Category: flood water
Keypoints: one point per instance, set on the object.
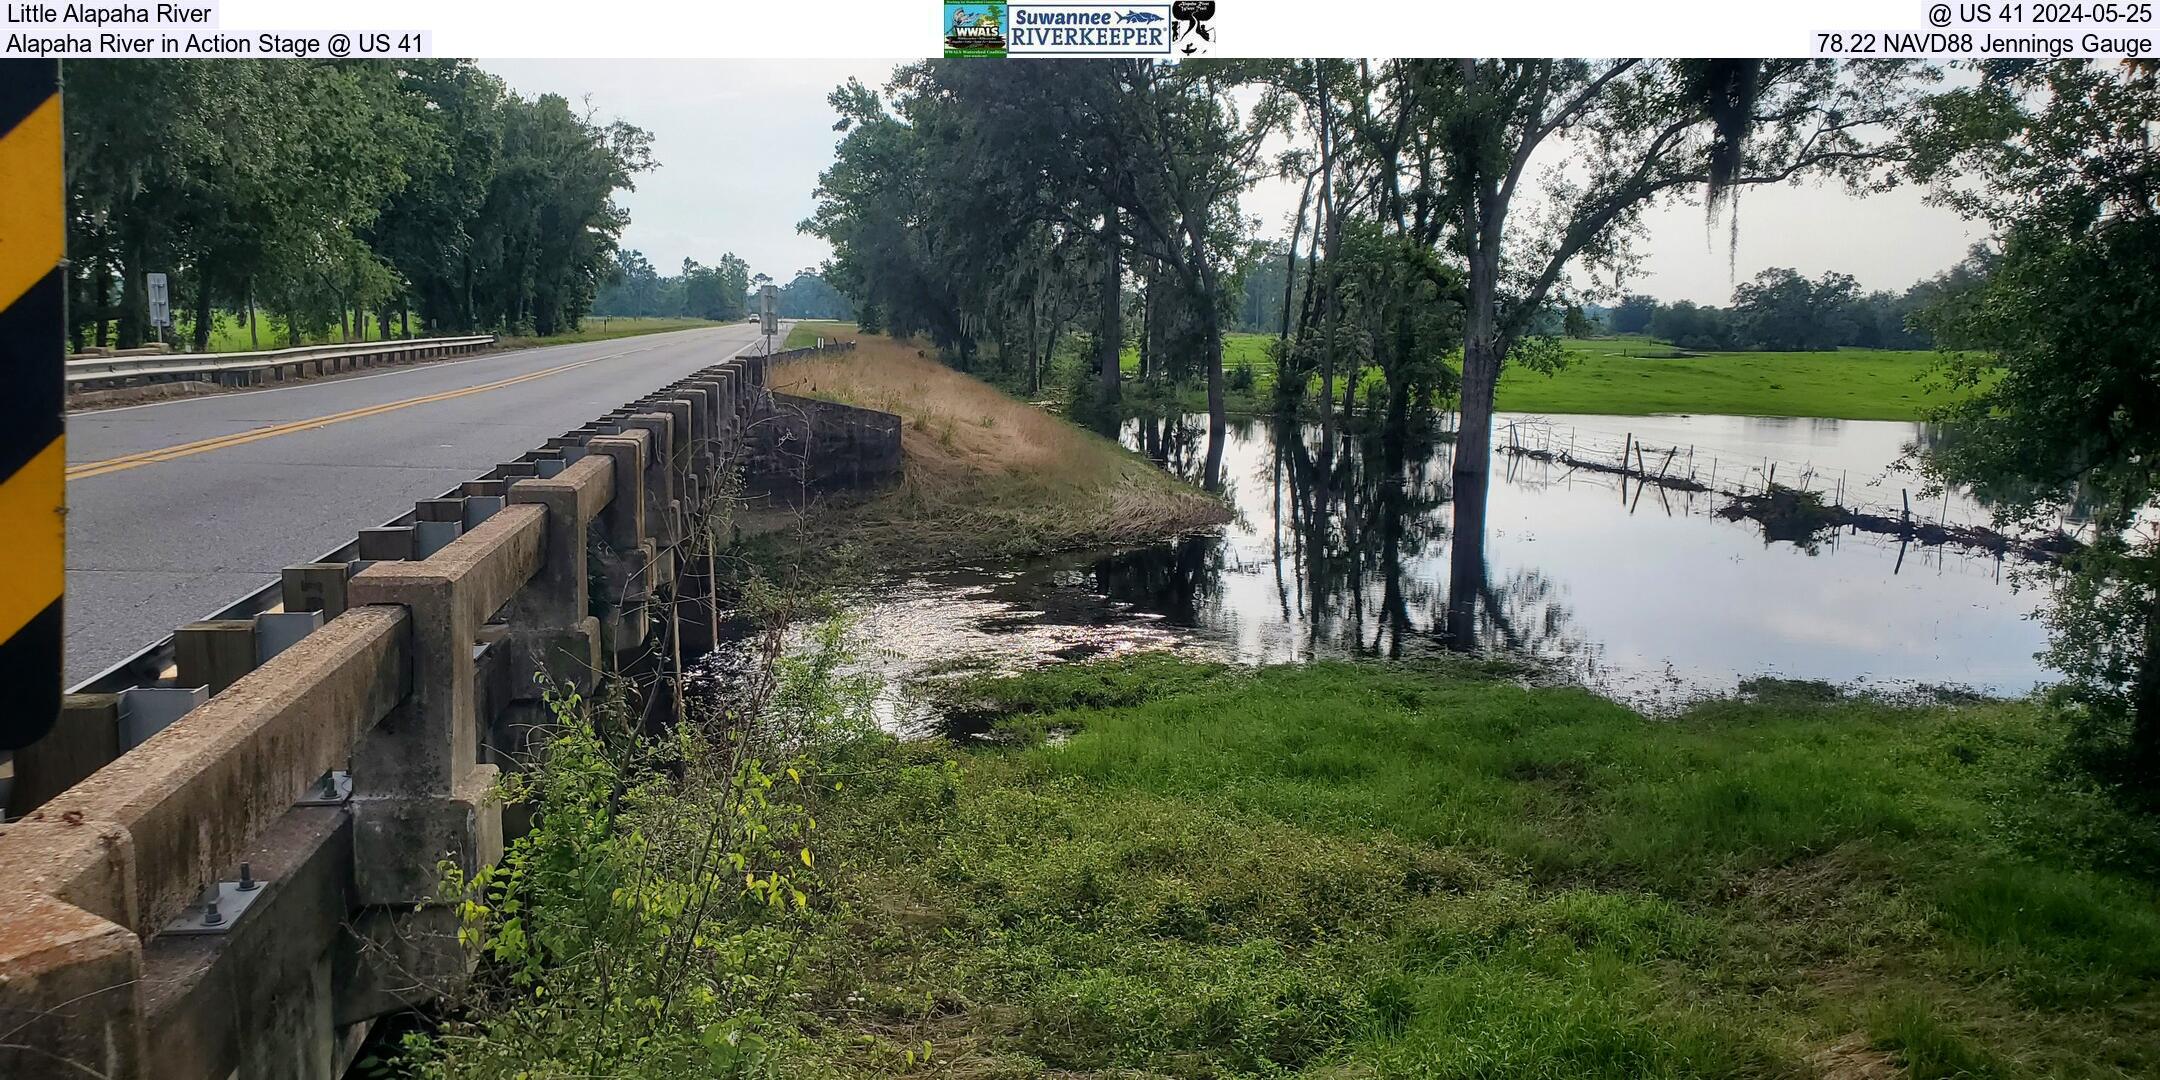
(1634, 590)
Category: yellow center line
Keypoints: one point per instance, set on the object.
(88, 469)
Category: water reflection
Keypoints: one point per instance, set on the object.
(1350, 531)
(1363, 548)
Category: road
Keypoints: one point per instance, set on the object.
(177, 508)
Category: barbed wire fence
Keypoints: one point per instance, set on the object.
(1710, 479)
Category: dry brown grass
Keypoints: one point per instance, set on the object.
(984, 473)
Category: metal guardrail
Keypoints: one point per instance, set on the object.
(249, 368)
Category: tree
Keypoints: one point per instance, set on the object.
(427, 229)
(876, 204)
(2057, 351)
(545, 235)
(330, 191)
(1691, 326)
(809, 296)
(634, 289)
(1632, 315)
(1640, 131)
(714, 292)
(1783, 312)
(985, 205)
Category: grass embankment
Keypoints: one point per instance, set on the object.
(1636, 376)
(983, 473)
(1351, 871)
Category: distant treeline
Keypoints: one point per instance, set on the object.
(329, 192)
(1781, 311)
(724, 291)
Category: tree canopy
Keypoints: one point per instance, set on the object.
(2058, 348)
(330, 191)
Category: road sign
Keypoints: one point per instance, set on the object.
(769, 307)
(160, 301)
(33, 459)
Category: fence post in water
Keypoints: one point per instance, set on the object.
(1624, 448)
(1770, 478)
(1905, 526)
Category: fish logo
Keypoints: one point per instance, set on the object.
(1139, 17)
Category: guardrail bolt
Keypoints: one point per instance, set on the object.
(211, 915)
(247, 879)
(329, 785)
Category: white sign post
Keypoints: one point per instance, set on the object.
(769, 309)
(160, 304)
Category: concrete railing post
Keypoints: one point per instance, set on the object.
(684, 451)
(420, 794)
(551, 621)
(660, 494)
(421, 797)
(70, 992)
(703, 432)
(627, 569)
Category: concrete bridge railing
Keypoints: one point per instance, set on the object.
(236, 876)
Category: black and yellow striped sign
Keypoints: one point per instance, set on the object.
(33, 459)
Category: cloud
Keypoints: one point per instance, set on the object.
(741, 142)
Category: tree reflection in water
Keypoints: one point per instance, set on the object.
(1358, 539)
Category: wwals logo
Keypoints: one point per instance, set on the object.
(976, 29)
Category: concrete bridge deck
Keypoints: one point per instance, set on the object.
(203, 499)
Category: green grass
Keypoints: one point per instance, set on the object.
(1611, 376)
(1359, 870)
(230, 334)
(805, 334)
(607, 329)
(1636, 376)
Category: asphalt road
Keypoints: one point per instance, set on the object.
(166, 538)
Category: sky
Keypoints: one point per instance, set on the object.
(740, 144)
